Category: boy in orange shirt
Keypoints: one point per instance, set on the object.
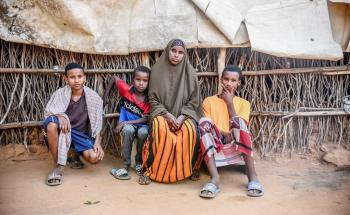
(224, 134)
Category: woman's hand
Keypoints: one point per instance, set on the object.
(172, 121)
(64, 124)
(180, 120)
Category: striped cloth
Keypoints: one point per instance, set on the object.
(57, 106)
(171, 156)
(212, 143)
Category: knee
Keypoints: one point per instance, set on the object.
(52, 127)
(91, 157)
(128, 130)
(142, 133)
(205, 124)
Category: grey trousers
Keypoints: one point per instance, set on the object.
(129, 132)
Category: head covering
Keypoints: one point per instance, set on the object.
(174, 88)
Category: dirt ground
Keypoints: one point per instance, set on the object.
(297, 185)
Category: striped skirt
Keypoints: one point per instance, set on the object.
(213, 144)
(171, 156)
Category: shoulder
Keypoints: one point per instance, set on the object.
(211, 98)
(243, 103)
(61, 90)
(92, 93)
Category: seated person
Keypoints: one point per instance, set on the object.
(133, 118)
(225, 135)
(73, 115)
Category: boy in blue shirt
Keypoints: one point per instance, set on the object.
(135, 109)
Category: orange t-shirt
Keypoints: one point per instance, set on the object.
(216, 109)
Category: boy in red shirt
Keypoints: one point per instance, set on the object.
(133, 117)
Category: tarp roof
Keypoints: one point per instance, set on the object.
(314, 29)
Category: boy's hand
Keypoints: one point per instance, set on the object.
(119, 127)
(227, 96)
(227, 136)
(172, 121)
(99, 151)
(64, 124)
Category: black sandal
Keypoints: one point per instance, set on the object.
(144, 180)
(75, 163)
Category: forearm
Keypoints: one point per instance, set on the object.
(231, 110)
(110, 85)
(98, 139)
(142, 120)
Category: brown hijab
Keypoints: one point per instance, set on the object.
(174, 88)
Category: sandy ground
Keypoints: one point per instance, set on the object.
(292, 186)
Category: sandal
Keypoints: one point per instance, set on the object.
(209, 191)
(144, 180)
(121, 174)
(55, 177)
(75, 163)
(195, 176)
(255, 189)
(138, 169)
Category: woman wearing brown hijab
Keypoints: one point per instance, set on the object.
(171, 152)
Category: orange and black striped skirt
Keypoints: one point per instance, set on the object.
(171, 156)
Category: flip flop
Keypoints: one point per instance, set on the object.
(75, 163)
(195, 176)
(54, 178)
(209, 191)
(121, 174)
(144, 180)
(138, 169)
(255, 189)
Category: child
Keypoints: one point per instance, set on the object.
(73, 115)
(225, 135)
(133, 118)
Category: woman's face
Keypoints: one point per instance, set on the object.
(176, 54)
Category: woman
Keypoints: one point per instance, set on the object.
(171, 152)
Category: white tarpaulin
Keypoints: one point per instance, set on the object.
(339, 12)
(299, 28)
(293, 29)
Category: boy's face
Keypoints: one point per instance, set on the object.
(176, 54)
(75, 78)
(230, 81)
(140, 81)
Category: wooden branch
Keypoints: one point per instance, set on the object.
(221, 65)
(57, 71)
(302, 114)
(337, 112)
(40, 123)
(335, 70)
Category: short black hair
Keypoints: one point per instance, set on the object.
(72, 66)
(233, 68)
(144, 69)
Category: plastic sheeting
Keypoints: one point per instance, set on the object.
(299, 28)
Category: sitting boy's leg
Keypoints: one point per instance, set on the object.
(142, 134)
(251, 173)
(52, 139)
(51, 126)
(209, 137)
(128, 136)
